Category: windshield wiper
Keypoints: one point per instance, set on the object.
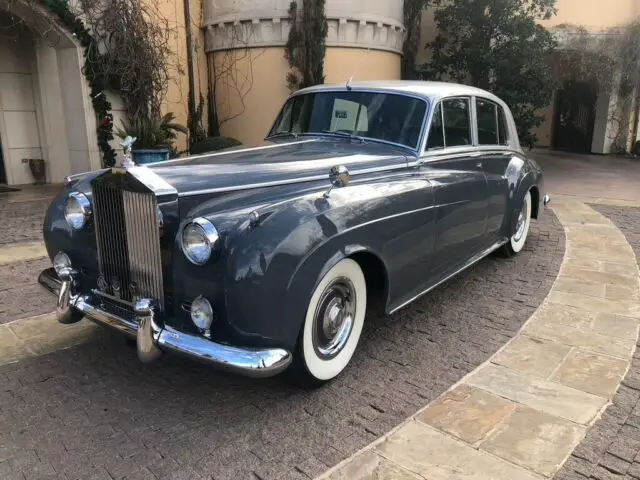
(352, 136)
(284, 134)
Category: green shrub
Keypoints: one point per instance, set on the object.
(211, 144)
(156, 132)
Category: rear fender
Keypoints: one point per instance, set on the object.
(520, 179)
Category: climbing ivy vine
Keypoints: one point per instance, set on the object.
(306, 45)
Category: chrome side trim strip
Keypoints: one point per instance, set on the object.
(311, 178)
(476, 258)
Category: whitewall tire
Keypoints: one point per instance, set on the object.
(519, 238)
(332, 325)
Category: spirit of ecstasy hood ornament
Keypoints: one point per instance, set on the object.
(127, 144)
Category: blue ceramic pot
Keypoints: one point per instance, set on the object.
(150, 155)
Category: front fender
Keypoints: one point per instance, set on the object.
(274, 267)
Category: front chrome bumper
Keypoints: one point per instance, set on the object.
(153, 337)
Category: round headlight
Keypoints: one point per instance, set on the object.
(201, 313)
(77, 210)
(61, 263)
(199, 237)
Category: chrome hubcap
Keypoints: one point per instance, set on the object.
(522, 223)
(333, 319)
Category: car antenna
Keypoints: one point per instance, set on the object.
(357, 68)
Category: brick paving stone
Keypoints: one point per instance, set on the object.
(634, 471)
(614, 441)
(20, 294)
(95, 408)
(22, 221)
(615, 464)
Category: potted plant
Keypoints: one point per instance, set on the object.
(154, 137)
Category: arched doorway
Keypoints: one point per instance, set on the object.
(45, 107)
(574, 116)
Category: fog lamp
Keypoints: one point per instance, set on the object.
(62, 264)
(202, 313)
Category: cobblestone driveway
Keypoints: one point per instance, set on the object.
(95, 412)
(21, 221)
(611, 449)
(20, 295)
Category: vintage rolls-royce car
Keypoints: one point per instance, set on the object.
(261, 260)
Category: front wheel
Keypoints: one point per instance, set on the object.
(519, 238)
(332, 325)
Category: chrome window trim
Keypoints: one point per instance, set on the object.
(453, 152)
(504, 115)
(332, 89)
(469, 98)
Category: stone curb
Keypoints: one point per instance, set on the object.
(34, 336)
(616, 202)
(19, 252)
(522, 413)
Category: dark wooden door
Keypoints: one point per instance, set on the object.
(575, 113)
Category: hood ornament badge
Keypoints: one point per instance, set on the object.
(127, 144)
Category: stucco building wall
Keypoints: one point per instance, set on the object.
(18, 119)
(364, 40)
(45, 108)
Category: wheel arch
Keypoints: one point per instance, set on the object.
(376, 276)
(535, 201)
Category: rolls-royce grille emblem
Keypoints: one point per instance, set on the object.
(115, 284)
(102, 284)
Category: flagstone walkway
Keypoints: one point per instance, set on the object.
(611, 449)
(521, 414)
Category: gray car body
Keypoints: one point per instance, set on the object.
(410, 217)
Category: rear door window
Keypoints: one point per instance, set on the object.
(487, 115)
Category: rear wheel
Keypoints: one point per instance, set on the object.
(519, 238)
(332, 326)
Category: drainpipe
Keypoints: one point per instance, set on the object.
(191, 96)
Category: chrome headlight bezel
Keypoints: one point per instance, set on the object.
(209, 240)
(82, 212)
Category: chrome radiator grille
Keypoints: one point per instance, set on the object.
(128, 238)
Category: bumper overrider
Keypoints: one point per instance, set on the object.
(153, 337)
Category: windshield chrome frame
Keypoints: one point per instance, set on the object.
(415, 150)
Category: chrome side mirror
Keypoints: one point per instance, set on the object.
(339, 176)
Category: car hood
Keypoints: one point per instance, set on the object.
(274, 164)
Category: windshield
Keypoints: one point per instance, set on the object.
(390, 117)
